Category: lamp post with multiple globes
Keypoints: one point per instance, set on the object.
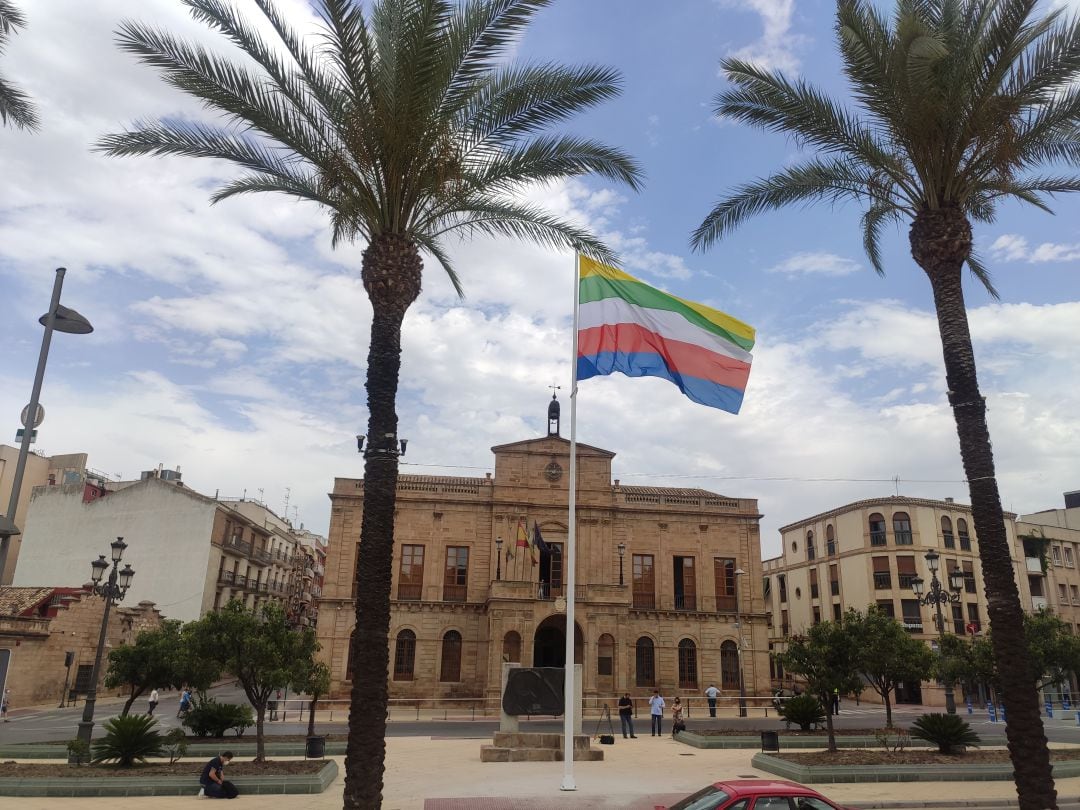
(938, 596)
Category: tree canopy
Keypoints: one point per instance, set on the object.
(888, 655)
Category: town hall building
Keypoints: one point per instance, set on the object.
(659, 570)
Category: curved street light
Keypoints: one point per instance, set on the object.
(938, 596)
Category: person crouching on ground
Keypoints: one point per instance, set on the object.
(214, 784)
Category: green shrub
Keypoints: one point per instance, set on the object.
(175, 744)
(949, 732)
(803, 710)
(212, 719)
(78, 752)
(128, 739)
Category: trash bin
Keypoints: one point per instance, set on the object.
(770, 741)
(315, 748)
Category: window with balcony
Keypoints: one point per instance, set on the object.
(1055, 553)
(886, 607)
(905, 571)
(687, 664)
(644, 581)
(411, 573)
(901, 526)
(958, 620)
(969, 576)
(962, 534)
(946, 533)
(450, 667)
(685, 584)
(877, 530)
(811, 551)
(813, 583)
(724, 579)
(1068, 557)
(830, 541)
(644, 662)
(456, 576)
(729, 665)
(834, 580)
(912, 613)
(882, 573)
(404, 655)
(973, 616)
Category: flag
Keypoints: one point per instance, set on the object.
(538, 541)
(509, 553)
(523, 540)
(627, 326)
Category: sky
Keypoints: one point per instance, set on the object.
(230, 340)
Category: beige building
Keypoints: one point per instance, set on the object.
(868, 553)
(1051, 540)
(40, 626)
(657, 571)
(40, 471)
(191, 553)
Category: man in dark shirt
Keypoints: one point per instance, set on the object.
(626, 715)
(212, 780)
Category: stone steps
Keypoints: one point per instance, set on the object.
(514, 746)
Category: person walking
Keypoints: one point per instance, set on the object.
(185, 703)
(656, 712)
(626, 716)
(153, 702)
(711, 694)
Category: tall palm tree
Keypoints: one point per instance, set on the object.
(957, 105)
(15, 105)
(407, 125)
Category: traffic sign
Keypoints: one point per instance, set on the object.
(19, 435)
(39, 416)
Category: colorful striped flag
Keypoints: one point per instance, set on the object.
(627, 326)
(523, 540)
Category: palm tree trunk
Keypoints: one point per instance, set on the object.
(940, 243)
(391, 274)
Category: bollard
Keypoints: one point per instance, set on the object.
(1003, 713)
(992, 711)
(1065, 701)
(1049, 710)
(1078, 717)
(970, 707)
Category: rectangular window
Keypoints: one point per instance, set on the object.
(958, 620)
(813, 584)
(837, 613)
(811, 552)
(1063, 594)
(817, 615)
(1035, 585)
(877, 530)
(969, 576)
(785, 628)
(1068, 557)
(411, 573)
(724, 577)
(882, 573)
(1055, 551)
(965, 538)
(782, 580)
(685, 584)
(834, 580)
(886, 607)
(973, 617)
(356, 568)
(1075, 594)
(912, 615)
(456, 576)
(947, 538)
(830, 548)
(905, 571)
(556, 569)
(644, 579)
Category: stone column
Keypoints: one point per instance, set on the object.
(507, 722)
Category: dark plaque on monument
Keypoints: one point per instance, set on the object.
(534, 690)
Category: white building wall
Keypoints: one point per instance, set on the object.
(167, 529)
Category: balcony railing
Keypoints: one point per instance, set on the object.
(226, 577)
(410, 592)
(882, 581)
(834, 587)
(905, 581)
(814, 591)
(238, 545)
(958, 627)
(948, 539)
(903, 537)
(455, 593)
(261, 555)
(644, 600)
(685, 601)
(830, 548)
(241, 581)
(877, 538)
(965, 542)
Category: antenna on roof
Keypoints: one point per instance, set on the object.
(288, 492)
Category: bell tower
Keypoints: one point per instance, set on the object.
(553, 413)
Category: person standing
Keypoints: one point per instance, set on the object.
(626, 716)
(711, 694)
(5, 704)
(213, 781)
(836, 701)
(656, 711)
(185, 703)
(153, 702)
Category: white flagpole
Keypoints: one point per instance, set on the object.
(569, 692)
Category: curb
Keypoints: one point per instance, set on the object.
(825, 774)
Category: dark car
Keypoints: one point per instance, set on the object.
(755, 794)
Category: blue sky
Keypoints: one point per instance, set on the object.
(231, 339)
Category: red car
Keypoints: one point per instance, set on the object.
(755, 794)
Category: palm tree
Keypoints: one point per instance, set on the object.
(958, 105)
(408, 125)
(15, 106)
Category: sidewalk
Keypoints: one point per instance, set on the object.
(426, 774)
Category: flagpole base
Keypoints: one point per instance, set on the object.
(568, 784)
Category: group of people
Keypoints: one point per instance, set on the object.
(657, 705)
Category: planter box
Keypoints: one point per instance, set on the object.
(823, 774)
(788, 742)
(242, 747)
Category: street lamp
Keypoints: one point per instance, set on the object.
(58, 319)
(938, 596)
(622, 553)
(113, 590)
(498, 558)
(738, 626)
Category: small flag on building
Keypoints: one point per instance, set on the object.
(523, 539)
(627, 326)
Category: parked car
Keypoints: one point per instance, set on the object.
(755, 794)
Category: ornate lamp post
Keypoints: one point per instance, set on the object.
(738, 626)
(114, 590)
(498, 558)
(622, 553)
(938, 596)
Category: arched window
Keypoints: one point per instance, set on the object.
(405, 655)
(811, 551)
(687, 664)
(729, 665)
(450, 671)
(512, 648)
(877, 529)
(901, 526)
(645, 662)
(348, 658)
(830, 540)
(946, 533)
(962, 534)
(605, 655)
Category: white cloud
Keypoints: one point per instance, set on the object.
(1009, 247)
(778, 45)
(823, 264)
(1052, 252)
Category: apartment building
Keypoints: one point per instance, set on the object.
(1051, 542)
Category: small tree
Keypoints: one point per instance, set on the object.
(888, 655)
(261, 651)
(827, 658)
(314, 682)
(149, 663)
(956, 662)
(1053, 650)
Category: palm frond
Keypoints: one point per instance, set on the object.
(979, 270)
(874, 220)
(434, 246)
(16, 108)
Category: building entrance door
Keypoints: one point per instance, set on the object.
(549, 644)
